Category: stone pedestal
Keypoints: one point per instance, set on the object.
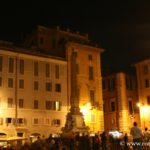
(75, 123)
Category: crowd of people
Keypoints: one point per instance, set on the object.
(103, 141)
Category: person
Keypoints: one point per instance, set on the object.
(136, 135)
(146, 135)
(104, 140)
(126, 141)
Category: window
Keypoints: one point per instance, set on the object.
(58, 87)
(129, 84)
(48, 86)
(57, 71)
(36, 104)
(147, 84)
(113, 106)
(11, 65)
(1, 121)
(8, 120)
(130, 107)
(47, 70)
(35, 68)
(148, 100)
(47, 121)
(20, 121)
(47, 105)
(35, 121)
(53, 105)
(91, 74)
(21, 84)
(145, 69)
(21, 66)
(1, 63)
(90, 57)
(0, 81)
(130, 81)
(56, 122)
(104, 84)
(36, 85)
(111, 84)
(21, 103)
(92, 97)
(10, 82)
(54, 43)
(93, 118)
(41, 40)
(57, 105)
(10, 103)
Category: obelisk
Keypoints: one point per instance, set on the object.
(74, 120)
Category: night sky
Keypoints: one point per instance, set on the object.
(122, 28)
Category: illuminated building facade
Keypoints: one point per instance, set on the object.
(33, 92)
(143, 78)
(120, 99)
(61, 43)
(35, 82)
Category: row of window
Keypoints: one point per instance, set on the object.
(35, 121)
(130, 105)
(48, 85)
(147, 83)
(49, 105)
(111, 84)
(21, 67)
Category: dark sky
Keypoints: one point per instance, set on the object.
(121, 27)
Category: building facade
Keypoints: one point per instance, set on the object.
(35, 82)
(61, 43)
(143, 78)
(33, 92)
(120, 101)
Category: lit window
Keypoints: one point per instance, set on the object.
(56, 122)
(53, 105)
